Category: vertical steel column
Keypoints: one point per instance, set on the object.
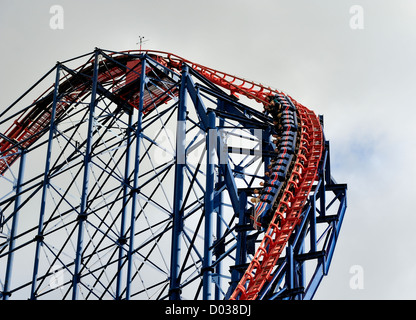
(266, 146)
(312, 221)
(220, 231)
(135, 190)
(211, 141)
(174, 290)
(18, 187)
(122, 240)
(220, 225)
(290, 272)
(82, 215)
(326, 180)
(241, 250)
(301, 272)
(39, 236)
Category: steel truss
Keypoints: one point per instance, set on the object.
(129, 178)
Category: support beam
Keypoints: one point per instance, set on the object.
(241, 245)
(39, 236)
(211, 141)
(82, 215)
(122, 239)
(290, 272)
(135, 190)
(9, 268)
(174, 289)
(219, 224)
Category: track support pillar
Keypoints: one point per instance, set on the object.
(45, 185)
(135, 180)
(122, 240)
(82, 215)
(6, 291)
(209, 206)
(174, 290)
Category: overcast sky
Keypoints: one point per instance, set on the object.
(361, 79)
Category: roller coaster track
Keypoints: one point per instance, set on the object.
(287, 212)
(289, 209)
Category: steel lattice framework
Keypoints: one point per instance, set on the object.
(131, 178)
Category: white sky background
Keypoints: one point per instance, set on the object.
(361, 80)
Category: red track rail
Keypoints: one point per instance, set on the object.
(25, 131)
(28, 128)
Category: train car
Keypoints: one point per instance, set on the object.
(285, 128)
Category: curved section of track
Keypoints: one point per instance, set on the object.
(297, 129)
(289, 207)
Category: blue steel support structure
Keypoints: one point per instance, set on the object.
(185, 225)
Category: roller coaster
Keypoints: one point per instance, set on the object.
(143, 175)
